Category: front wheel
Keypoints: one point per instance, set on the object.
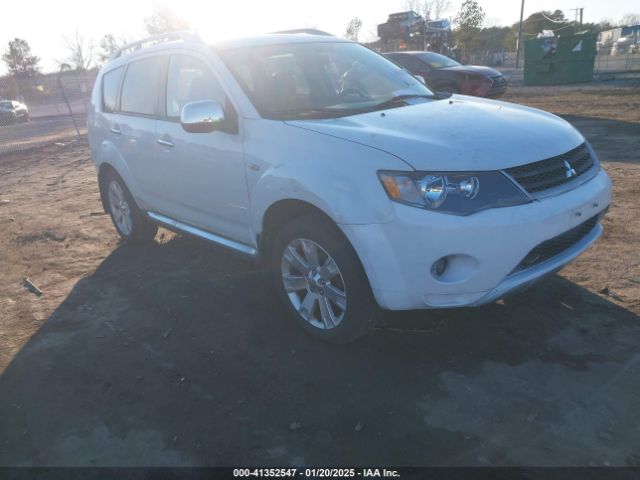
(321, 282)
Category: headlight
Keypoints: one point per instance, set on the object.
(594, 155)
(456, 193)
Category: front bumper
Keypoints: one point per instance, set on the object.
(522, 280)
(484, 248)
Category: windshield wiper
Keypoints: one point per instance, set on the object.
(329, 112)
(320, 112)
(401, 99)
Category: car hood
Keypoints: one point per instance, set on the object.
(460, 133)
(473, 69)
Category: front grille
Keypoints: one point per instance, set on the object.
(555, 246)
(499, 84)
(552, 172)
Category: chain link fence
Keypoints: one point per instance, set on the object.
(625, 62)
(604, 62)
(57, 106)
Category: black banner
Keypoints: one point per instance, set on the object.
(404, 473)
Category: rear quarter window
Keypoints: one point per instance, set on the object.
(110, 84)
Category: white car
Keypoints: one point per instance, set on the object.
(357, 187)
(12, 111)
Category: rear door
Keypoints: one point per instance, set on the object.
(103, 116)
(136, 124)
(208, 187)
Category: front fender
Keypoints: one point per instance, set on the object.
(335, 175)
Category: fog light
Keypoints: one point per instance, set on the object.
(439, 266)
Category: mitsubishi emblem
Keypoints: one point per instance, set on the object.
(570, 171)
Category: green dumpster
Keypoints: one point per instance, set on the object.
(559, 60)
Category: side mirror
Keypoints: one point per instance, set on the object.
(202, 116)
(420, 78)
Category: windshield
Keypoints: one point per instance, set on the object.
(319, 80)
(436, 61)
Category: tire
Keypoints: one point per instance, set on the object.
(130, 222)
(332, 302)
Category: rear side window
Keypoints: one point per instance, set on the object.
(110, 84)
(141, 86)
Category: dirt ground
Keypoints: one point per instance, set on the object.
(38, 132)
(176, 354)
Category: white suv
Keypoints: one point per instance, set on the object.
(355, 185)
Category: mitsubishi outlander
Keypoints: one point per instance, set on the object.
(357, 187)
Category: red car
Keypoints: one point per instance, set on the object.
(444, 74)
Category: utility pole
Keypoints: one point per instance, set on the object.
(578, 15)
(519, 36)
(581, 11)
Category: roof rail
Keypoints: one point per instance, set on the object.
(185, 36)
(308, 31)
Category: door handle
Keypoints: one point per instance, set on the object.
(165, 143)
(116, 129)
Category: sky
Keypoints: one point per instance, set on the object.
(44, 24)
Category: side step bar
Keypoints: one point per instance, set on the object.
(203, 234)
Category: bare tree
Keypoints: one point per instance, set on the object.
(353, 29)
(163, 20)
(630, 19)
(81, 52)
(429, 9)
(438, 8)
(415, 5)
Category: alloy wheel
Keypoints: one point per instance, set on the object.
(120, 209)
(313, 283)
